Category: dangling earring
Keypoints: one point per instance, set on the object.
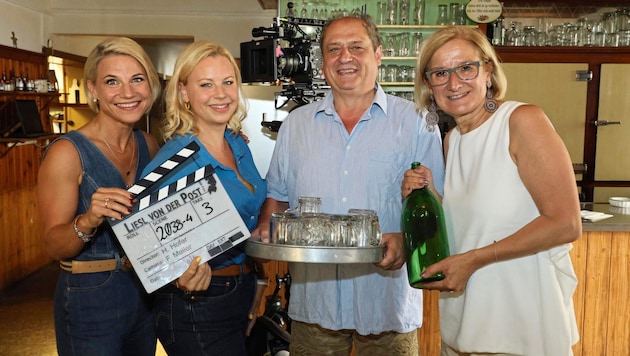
(490, 105)
(187, 105)
(432, 117)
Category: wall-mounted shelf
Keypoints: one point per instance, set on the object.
(9, 143)
(417, 27)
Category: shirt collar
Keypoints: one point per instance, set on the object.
(232, 141)
(380, 100)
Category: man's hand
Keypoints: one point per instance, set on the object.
(393, 251)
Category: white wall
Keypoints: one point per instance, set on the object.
(28, 22)
(76, 26)
(69, 30)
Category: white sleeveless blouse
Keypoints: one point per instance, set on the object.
(522, 306)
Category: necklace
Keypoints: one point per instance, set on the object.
(133, 152)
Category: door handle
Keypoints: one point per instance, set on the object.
(605, 122)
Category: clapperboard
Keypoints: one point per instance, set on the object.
(166, 229)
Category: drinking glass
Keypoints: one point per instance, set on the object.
(417, 42)
(391, 73)
(367, 229)
(403, 44)
(315, 230)
(342, 230)
(453, 17)
(381, 13)
(403, 12)
(442, 18)
(390, 47)
(284, 227)
(392, 12)
(309, 205)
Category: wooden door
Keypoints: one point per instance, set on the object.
(613, 141)
(553, 87)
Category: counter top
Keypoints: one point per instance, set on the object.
(620, 220)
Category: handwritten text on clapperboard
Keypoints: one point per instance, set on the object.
(194, 219)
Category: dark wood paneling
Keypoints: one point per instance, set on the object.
(21, 249)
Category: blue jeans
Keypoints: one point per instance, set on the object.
(104, 313)
(212, 322)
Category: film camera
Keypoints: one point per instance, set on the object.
(289, 55)
(289, 52)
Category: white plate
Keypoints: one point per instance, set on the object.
(620, 202)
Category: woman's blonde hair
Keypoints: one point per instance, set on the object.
(422, 92)
(179, 120)
(120, 46)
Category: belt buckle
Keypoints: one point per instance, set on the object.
(125, 264)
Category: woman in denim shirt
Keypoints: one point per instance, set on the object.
(100, 307)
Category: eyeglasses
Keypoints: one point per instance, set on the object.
(466, 71)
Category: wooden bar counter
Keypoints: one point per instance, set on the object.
(601, 258)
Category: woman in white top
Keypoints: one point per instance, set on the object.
(511, 205)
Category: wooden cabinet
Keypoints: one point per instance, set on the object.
(602, 263)
(71, 111)
(21, 249)
(32, 65)
(548, 77)
(601, 260)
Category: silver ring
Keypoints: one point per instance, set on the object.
(106, 201)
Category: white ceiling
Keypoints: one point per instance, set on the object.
(179, 7)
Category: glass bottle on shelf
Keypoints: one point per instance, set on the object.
(403, 12)
(417, 43)
(381, 13)
(498, 30)
(453, 14)
(392, 11)
(442, 18)
(424, 234)
(418, 13)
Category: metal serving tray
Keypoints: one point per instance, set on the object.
(312, 254)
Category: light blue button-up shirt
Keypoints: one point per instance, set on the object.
(316, 156)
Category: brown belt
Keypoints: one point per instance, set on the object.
(233, 270)
(76, 267)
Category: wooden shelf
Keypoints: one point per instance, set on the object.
(9, 143)
(15, 93)
(68, 105)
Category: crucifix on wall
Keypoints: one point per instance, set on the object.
(14, 39)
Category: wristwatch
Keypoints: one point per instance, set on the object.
(83, 236)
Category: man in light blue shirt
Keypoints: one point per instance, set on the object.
(352, 149)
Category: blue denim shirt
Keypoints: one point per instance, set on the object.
(247, 203)
(316, 156)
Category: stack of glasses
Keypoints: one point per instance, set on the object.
(308, 226)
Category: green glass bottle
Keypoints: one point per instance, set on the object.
(424, 232)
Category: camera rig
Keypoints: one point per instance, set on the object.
(288, 55)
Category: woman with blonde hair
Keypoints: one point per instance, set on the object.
(100, 307)
(208, 309)
(511, 205)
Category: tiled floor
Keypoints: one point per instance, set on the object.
(26, 316)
